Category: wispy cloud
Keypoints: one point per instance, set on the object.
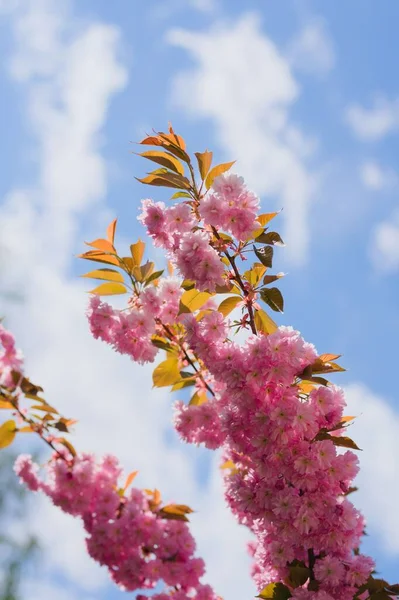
(244, 84)
(384, 248)
(375, 431)
(376, 177)
(312, 50)
(67, 100)
(377, 121)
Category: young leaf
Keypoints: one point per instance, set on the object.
(266, 218)
(172, 180)
(198, 398)
(103, 245)
(329, 357)
(106, 274)
(204, 160)
(137, 252)
(100, 257)
(192, 300)
(181, 195)
(109, 289)
(216, 171)
(111, 232)
(229, 304)
(153, 277)
(163, 158)
(161, 343)
(67, 445)
(273, 297)
(7, 433)
(275, 591)
(166, 373)
(183, 383)
(129, 480)
(264, 323)
(5, 404)
(265, 255)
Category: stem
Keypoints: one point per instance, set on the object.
(312, 562)
(173, 338)
(34, 427)
(240, 283)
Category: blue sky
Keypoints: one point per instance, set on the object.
(305, 96)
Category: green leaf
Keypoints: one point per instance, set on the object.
(229, 304)
(338, 440)
(161, 343)
(8, 431)
(177, 512)
(216, 171)
(172, 180)
(270, 237)
(163, 158)
(298, 575)
(265, 255)
(181, 195)
(275, 591)
(272, 278)
(109, 289)
(166, 373)
(264, 323)
(192, 300)
(273, 297)
(204, 160)
(106, 274)
(198, 398)
(183, 383)
(153, 277)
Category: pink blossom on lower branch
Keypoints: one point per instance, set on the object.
(280, 480)
(125, 533)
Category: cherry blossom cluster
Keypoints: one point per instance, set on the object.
(125, 533)
(129, 331)
(10, 358)
(286, 485)
(229, 207)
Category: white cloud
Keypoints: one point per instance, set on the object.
(312, 50)
(375, 177)
(245, 86)
(205, 6)
(372, 124)
(375, 430)
(67, 99)
(384, 251)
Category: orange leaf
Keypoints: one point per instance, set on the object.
(347, 419)
(266, 217)
(107, 274)
(100, 257)
(165, 159)
(109, 289)
(329, 357)
(204, 162)
(103, 245)
(111, 231)
(129, 479)
(5, 404)
(216, 171)
(7, 433)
